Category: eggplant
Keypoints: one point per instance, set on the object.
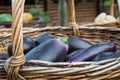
(52, 50)
(76, 43)
(9, 49)
(28, 44)
(3, 56)
(64, 39)
(42, 38)
(93, 51)
(73, 54)
(106, 55)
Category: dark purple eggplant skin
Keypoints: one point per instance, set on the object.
(52, 50)
(3, 56)
(28, 44)
(76, 43)
(9, 49)
(73, 54)
(42, 38)
(93, 51)
(106, 55)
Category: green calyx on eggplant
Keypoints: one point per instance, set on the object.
(28, 44)
(93, 51)
(42, 38)
(52, 50)
(76, 43)
(106, 55)
(64, 39)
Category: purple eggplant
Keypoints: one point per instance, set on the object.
(3, 56)
(76, 43)
(42, 38)
(93, 51)
(28, 44)
(9, 49)
(52, 50)
(106, 55)
(73, 54)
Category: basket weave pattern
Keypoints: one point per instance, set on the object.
(107, 69)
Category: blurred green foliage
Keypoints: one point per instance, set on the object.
(39, 13)
(106, 2)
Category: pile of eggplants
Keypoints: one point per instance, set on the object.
(47, 47)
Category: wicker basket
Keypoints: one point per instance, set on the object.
(5, 37)
(16, 69)
(67, 71)
(110, 24)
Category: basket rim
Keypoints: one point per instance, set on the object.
(49, 64)
(30, 30)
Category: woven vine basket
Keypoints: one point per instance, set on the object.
(15, 68)
(32, 70)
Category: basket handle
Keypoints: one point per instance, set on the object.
(13, 64)
(72, 21)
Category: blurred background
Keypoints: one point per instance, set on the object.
(41, 13)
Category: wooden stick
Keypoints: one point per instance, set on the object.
(71, 12)
(72, 20)
(112, 7)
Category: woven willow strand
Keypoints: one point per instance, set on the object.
(13, 64)
(72, 17)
